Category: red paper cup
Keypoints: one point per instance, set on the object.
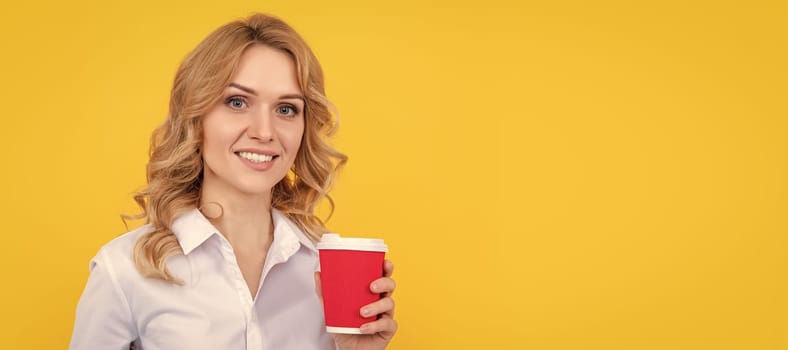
(347, 268)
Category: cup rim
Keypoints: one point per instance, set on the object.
(333, 241)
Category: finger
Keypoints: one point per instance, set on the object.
(388, 268)
(382, 306)
(318, 286)
(383, 285)
(385, 326)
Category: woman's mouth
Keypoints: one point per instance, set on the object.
(256, 157)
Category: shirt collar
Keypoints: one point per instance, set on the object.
(192, 229)
(283, 226)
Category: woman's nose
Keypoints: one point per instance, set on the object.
(261, 127)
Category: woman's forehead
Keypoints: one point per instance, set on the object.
(265, 71)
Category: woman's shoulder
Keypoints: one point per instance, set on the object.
(117, 253)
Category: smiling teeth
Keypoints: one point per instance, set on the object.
(255, 158)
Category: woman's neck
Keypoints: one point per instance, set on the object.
(245, 220)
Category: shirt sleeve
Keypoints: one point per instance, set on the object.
(103, 319)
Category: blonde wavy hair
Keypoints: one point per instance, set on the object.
(175, 169)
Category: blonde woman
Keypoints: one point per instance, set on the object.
(227, 259)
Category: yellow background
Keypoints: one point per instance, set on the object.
(548, 175)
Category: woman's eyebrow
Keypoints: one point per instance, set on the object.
(293, 96)
(243, 88)
(252, 92)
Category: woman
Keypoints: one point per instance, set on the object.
(226, 259)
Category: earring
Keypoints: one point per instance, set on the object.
(212, 210)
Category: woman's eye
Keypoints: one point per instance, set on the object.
(286, 110)
(236, 102)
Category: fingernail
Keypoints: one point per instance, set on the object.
(365, 312)
(374, 287)
(365, 328)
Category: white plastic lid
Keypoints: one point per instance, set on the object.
(334, 241)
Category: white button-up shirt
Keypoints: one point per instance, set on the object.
(213, 310)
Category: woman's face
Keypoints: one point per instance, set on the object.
(250, 139)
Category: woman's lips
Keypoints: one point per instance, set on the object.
(257, 161)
